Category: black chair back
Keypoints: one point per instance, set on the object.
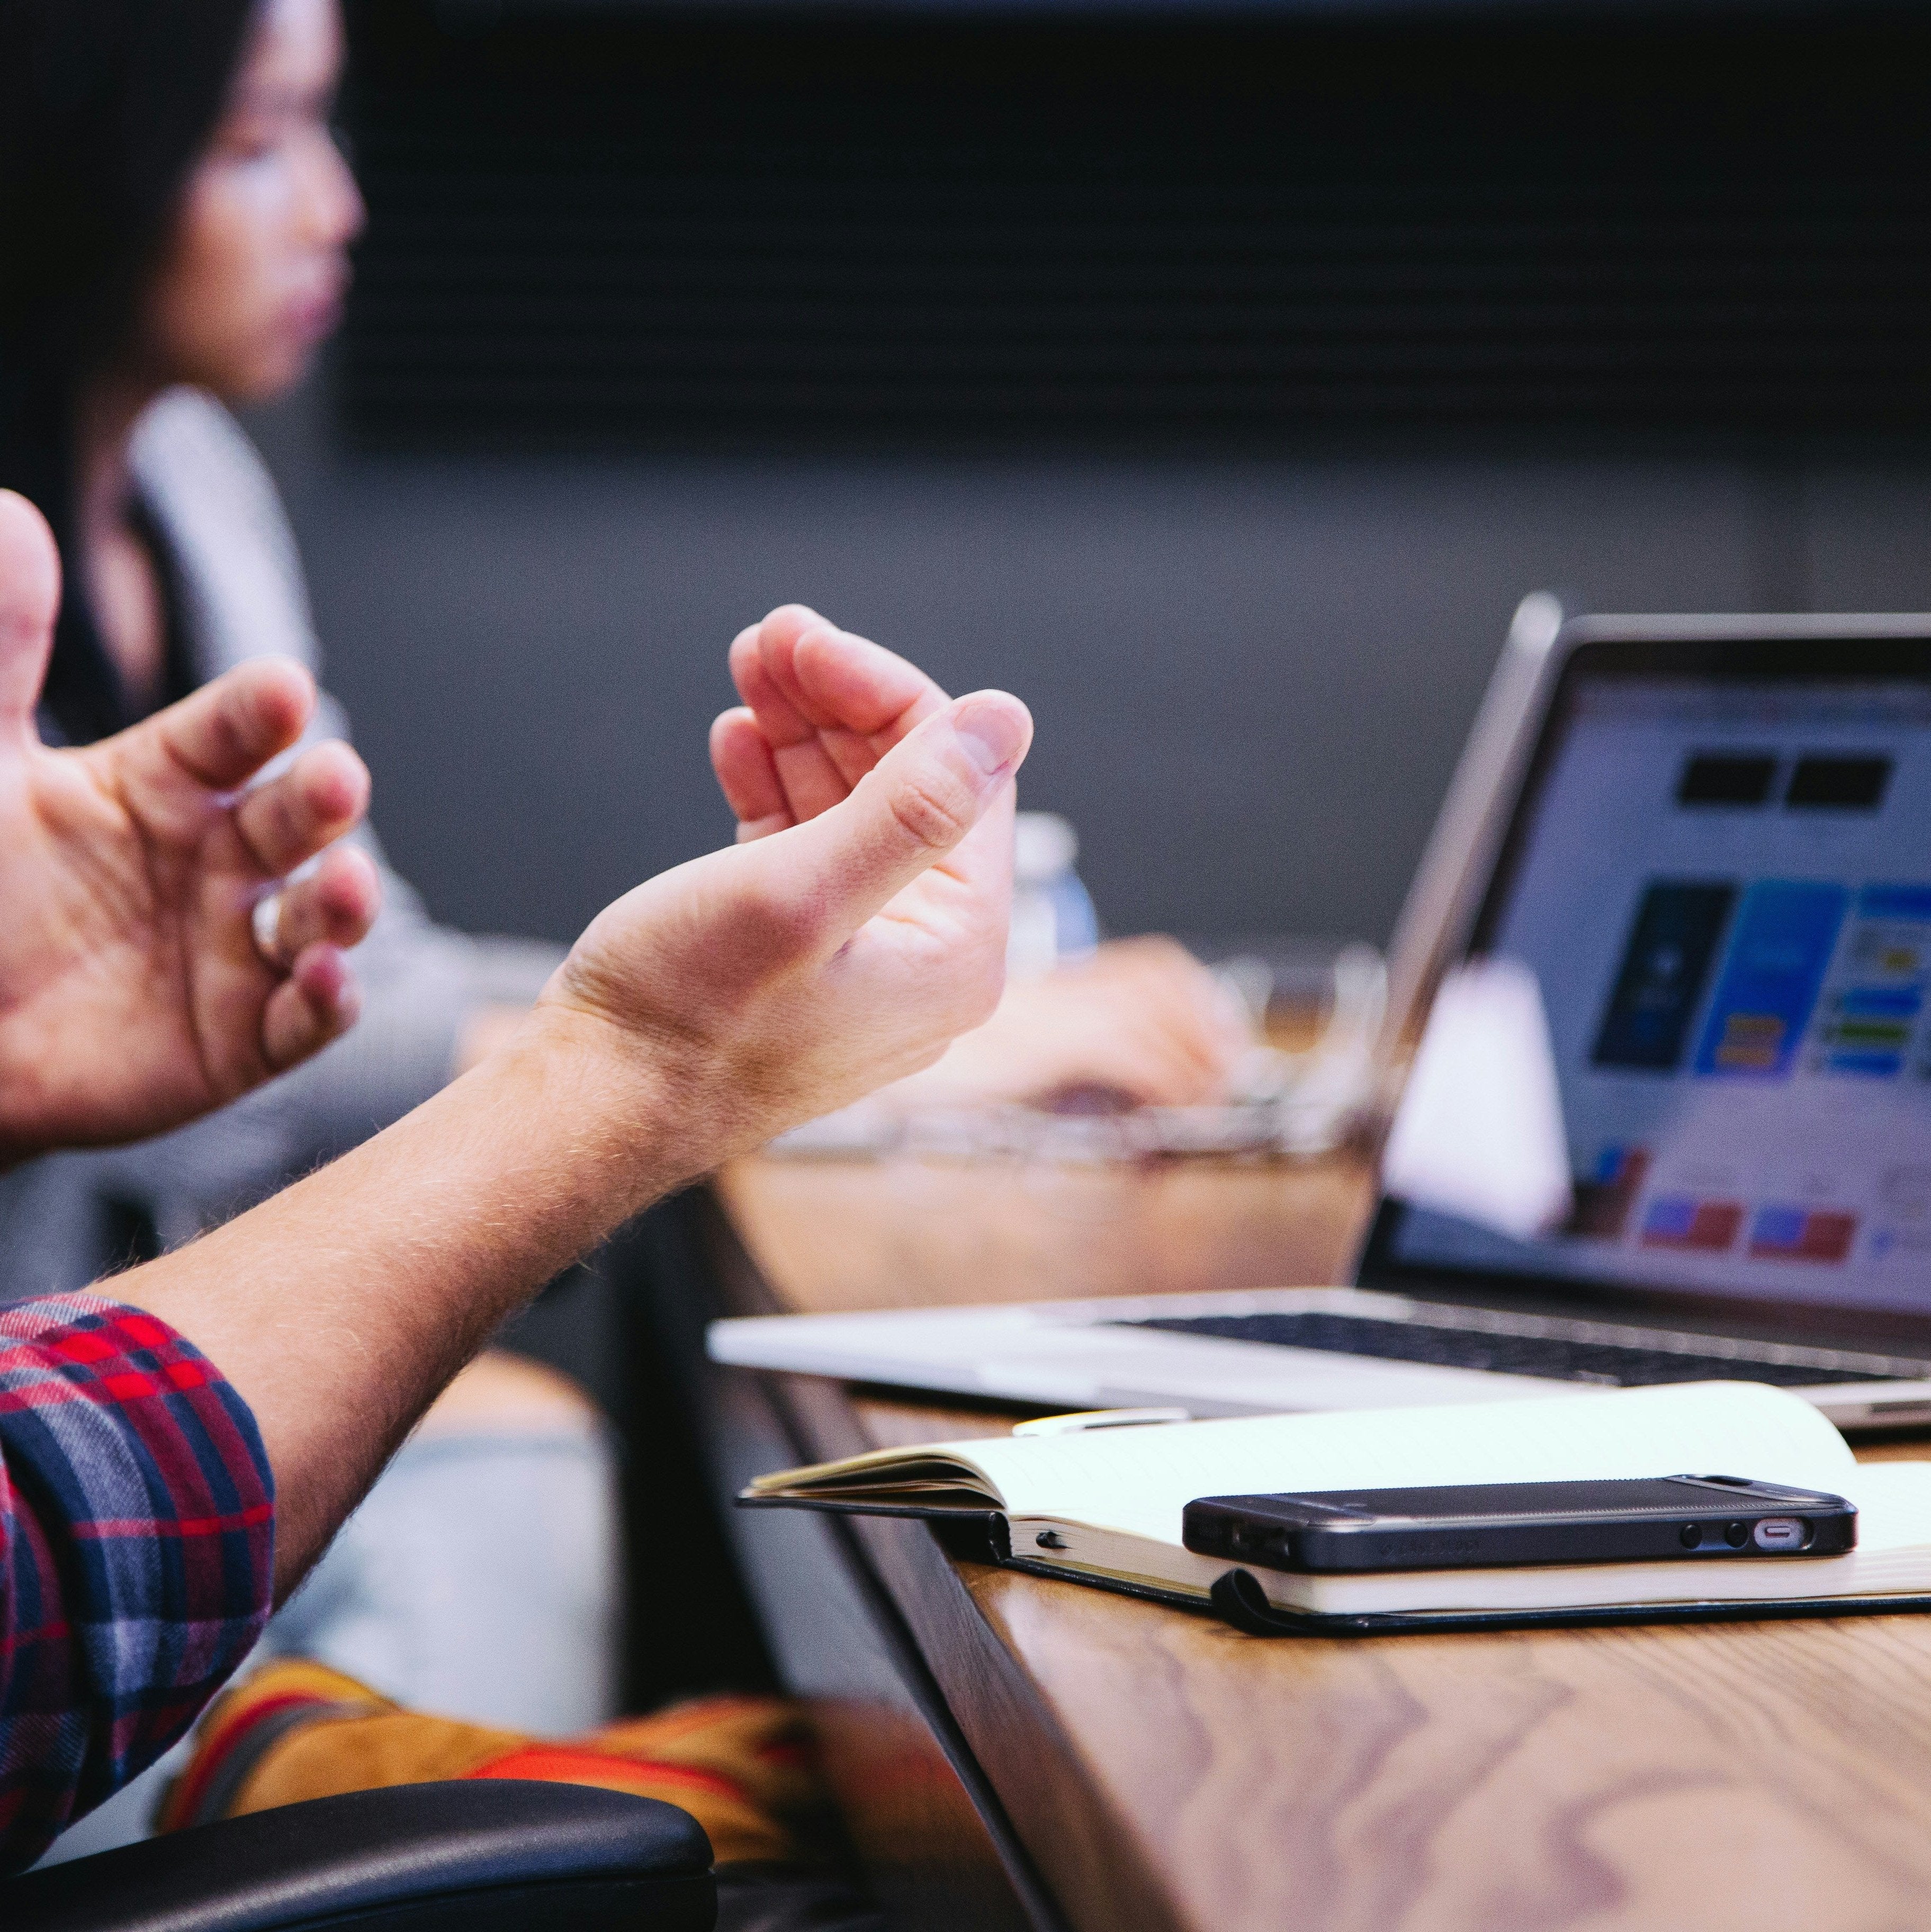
(477, 1855)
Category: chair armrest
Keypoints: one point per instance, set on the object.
(477, 1855)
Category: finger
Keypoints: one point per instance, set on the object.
(286, 822)
(777, 640)
(1172, 1023)
(29, 600)
(1155, 978)
(920, 804)
(811, 778)
(861, 688)
(860, 698)
(335, 905)
(780, 720)
(741, 756)
(1146, 1074)
(830, 704)
(228, 729)
(808, 778)
(317, 1003)
(1215, 1017)
(866, 698)
(1190, 1067)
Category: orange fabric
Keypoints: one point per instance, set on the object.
(285, 1687)
(743, 1767)
(560, 1762)
(766, 1743)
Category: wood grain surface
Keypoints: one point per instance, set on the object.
(1756, 1776)
(1164, 1771)
(830, 1234)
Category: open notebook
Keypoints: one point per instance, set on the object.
(1104, 1505)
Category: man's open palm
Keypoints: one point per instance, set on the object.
(133, 995)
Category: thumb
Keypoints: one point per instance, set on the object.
(29, 598)
(914, 806)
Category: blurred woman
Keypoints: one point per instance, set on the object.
(174, 223)
(176, 218)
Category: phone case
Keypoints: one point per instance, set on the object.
(1505, 1525)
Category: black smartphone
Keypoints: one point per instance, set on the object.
(1493, 1526)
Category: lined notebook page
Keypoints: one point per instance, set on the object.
(1139, 1480)
(1893, 1501)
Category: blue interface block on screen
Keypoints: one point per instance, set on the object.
(1911, 902)
(1778, 1227)
(1665, 964)
(1867, 1066)
(1671, 1216)
(1880, 1003)
(1784, 935)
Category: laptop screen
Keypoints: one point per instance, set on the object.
(1719, 876)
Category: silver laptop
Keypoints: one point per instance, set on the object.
(1705, 845)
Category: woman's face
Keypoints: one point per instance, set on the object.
(252, 277)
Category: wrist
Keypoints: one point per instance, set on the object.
(572, 1138)
(614, 1119)
(662, 1105)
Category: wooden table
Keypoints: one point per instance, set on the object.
(1016, 1752)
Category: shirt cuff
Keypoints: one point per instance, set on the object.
(148, 1482)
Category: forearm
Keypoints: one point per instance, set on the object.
(339, 1309)
(704, 1011)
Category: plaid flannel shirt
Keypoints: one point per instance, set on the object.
(136, 1548)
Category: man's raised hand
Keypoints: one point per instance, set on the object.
(856, 928)
(1141, 1020)
(133, 994)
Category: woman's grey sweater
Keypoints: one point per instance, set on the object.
(240, 582)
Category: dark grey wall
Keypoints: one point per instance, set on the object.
(1251, 679)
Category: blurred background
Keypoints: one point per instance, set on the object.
(1217, 380)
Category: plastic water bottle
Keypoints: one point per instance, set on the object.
(1053, 915)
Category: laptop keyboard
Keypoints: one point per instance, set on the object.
(1563, 1358)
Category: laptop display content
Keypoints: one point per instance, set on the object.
(1721, 883)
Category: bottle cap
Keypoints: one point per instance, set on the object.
(1044, 846)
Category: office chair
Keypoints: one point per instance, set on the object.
(476, 1856)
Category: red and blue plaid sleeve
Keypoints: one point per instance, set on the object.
(137, 1552)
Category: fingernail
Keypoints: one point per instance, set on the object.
(993, 734)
